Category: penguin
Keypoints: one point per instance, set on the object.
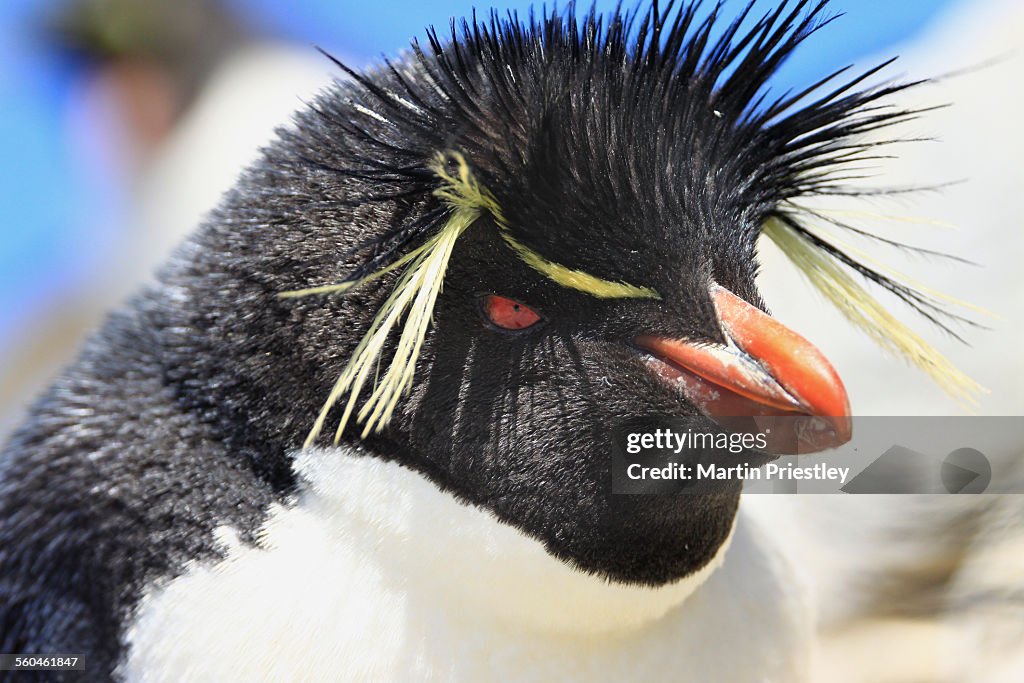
(358, 427)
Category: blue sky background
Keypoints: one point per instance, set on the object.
(60, 220)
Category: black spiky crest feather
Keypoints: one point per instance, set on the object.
(713, 103)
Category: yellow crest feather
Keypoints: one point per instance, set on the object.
(859, 307)
(463, 190)
(413, 298)
(415, 295)
(419, 284)
(577, 279)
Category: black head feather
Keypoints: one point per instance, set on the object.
(569, 120)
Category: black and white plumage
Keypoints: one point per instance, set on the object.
(635, 149)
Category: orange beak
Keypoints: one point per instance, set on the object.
(765, 369)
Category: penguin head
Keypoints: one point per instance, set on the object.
(482, 258)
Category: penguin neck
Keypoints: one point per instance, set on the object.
(405, 525)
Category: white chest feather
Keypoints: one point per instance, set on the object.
(374, 574)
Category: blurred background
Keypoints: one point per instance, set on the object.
(123, 121)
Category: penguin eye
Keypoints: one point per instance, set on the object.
(508, 314)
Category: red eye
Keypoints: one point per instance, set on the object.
(508, 314)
